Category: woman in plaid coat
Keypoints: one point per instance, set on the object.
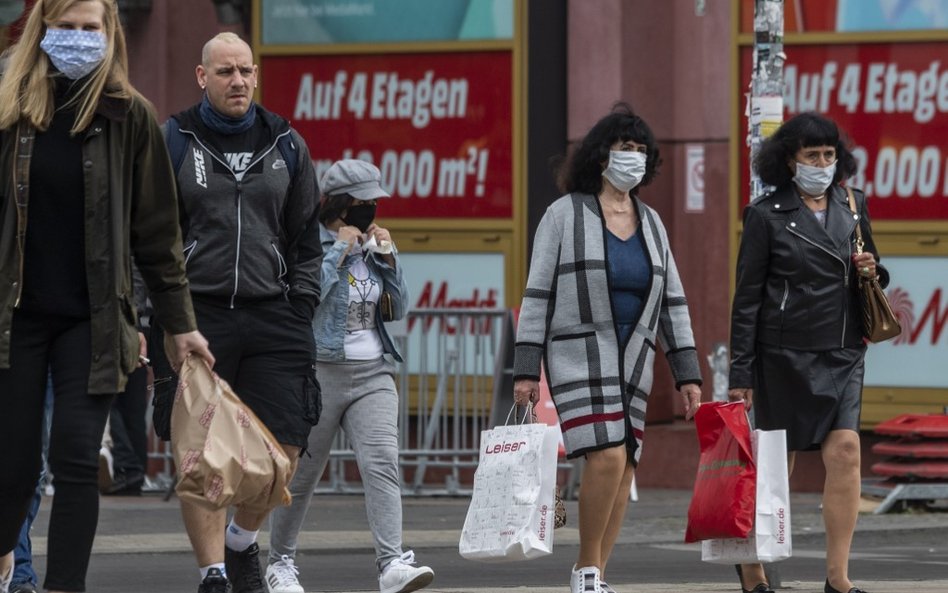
(603, 286)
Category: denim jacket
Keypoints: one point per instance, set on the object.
(329, 324)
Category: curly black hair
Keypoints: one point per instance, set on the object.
(804, 130)
(582, 171)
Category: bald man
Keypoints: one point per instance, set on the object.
(249, 205)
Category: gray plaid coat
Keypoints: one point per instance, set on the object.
(566, 322)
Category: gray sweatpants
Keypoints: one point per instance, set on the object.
(360, 397)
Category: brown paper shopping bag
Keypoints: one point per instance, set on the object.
(223, 453)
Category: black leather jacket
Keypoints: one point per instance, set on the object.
(796, 285)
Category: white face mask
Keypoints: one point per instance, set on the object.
(625, 170)
(813, 181)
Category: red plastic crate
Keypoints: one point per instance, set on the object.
(916, 425)
(913, 448)
(912, 469)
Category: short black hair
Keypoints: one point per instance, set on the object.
(583, 170)
(332, 207)
(802, 131)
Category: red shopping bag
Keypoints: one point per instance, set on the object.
(724, 499)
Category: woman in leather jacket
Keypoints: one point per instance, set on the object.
(797, 345)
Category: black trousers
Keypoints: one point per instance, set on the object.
(61, 345)
(128, 428)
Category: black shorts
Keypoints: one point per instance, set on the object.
(266, 352)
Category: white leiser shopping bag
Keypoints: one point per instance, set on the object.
(770, 540)
(511, 513)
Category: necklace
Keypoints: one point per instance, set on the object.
(363, 286)
(617, 210)
(814, 198)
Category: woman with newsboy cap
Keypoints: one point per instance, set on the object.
(362, 286)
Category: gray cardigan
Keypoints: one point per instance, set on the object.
(567, 322)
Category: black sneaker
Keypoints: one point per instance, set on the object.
(214, 582)
(23, 588)
(243, 569)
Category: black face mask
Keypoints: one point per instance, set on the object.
(360, 216)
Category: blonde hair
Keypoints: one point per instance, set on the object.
(26, 89)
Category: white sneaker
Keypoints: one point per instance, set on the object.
(400, 576)
(282, 576)
(106, 469)
(605, 588)
(6, 572)
(585, 580)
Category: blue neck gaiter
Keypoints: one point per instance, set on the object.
(226, 125)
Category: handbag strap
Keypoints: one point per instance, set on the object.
(852, 206)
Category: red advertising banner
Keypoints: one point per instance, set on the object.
(891, 99)
(438, 126)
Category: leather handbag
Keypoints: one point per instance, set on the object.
(559, 510)
(386, 307)
(878, 321)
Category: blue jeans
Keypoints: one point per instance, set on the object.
(23, 553)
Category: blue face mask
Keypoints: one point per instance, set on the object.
(74, 53)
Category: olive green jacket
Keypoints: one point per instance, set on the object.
(130, 210)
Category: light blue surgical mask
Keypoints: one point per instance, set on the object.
(74, 53)
(625, 169)
(814, 181)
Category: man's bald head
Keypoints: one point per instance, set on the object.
(227, 38)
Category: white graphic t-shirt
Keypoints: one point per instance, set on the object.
(362, 337)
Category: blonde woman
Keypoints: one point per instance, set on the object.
(86, 186)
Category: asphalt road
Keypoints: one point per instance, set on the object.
(141, 547)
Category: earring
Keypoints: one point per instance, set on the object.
(202, 87)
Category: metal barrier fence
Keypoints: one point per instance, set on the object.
(454, 361)
(454, 383)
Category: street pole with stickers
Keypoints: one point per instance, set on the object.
(765, 112)
(765, 100)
